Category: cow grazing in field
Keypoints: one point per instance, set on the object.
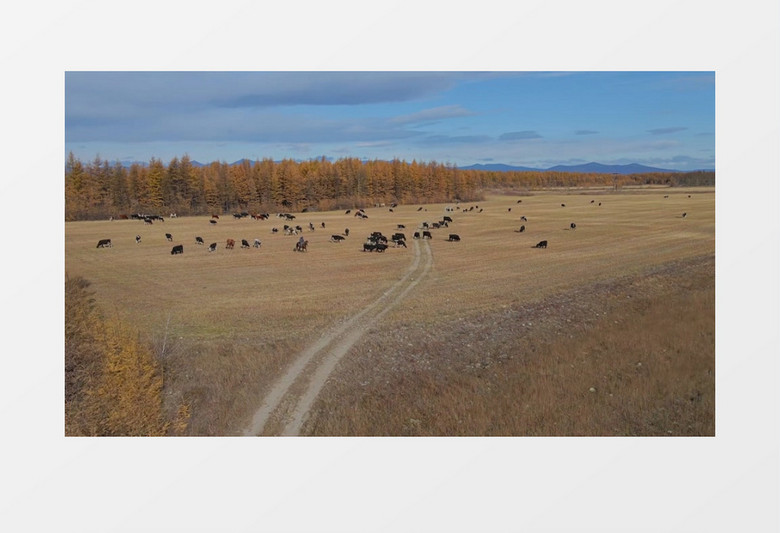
(541, 244)
(481, 210)
(427, 235)
(400, 226)
(213, 247)
(215, 216)
(336, 238)
(573, 225)
(521, 230)
(199, 240)
(523, 218)
(322, 225)
(104, 243)
(684, 215)
(563, 205)
(391, 210)
(419, 209)
(257, 243)
(346, 232)
(147, 221)
(213, 221)
(446, 218)
(416, 235)
(599, 204)
(138, 239)
(123, 217)
(519, 201)
(399, 242)
(454, 237)
(369, 246)
(348, 211)
(397, 236)
(274, 230)
(178, 249)
(244, 243)
(168, 236)
(689, 196)
(381, 247)
(230, 244)
(236, 215)
(509, 210)
(298, 229)
(666, 196)
(592, 201)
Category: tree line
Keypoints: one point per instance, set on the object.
(99, 189)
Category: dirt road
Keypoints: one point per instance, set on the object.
(286, 406)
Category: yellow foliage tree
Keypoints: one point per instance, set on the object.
(127, 397)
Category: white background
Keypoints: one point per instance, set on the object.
(725, 483)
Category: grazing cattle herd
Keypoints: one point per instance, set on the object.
(375, 242)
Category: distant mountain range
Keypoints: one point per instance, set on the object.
(595, 168)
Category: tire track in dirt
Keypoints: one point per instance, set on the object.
(330, 348)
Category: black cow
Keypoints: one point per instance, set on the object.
(369, 246)
(541, 244)
(453, 237)
(138, 239)
(322, 224)
(212, 247)
(446, 218)
(311, 226)
(147, 221)
(521, 230)
(592, 201)
(400, 226)
(399, 242)
(398, 236)
(685, 215)
(346, 232)
(168, 236)
(381, 247)
(573, 225)
(519, 201)
(199, 240)
(104, 243)
(336, 238)
(244, 243)
(348, 211)
(509, 210)
(213, 221)
(523, 218)
(257, 243)
(236, 215)
(563, 205)
(416, 235)
(178, 249)
(274, 230)
(427, 235)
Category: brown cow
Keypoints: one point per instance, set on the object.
(230, 244)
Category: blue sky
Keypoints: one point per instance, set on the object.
(536, 119)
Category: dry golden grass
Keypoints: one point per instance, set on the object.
(232, 320)
(631, 357)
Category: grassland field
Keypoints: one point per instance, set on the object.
(230, 321)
